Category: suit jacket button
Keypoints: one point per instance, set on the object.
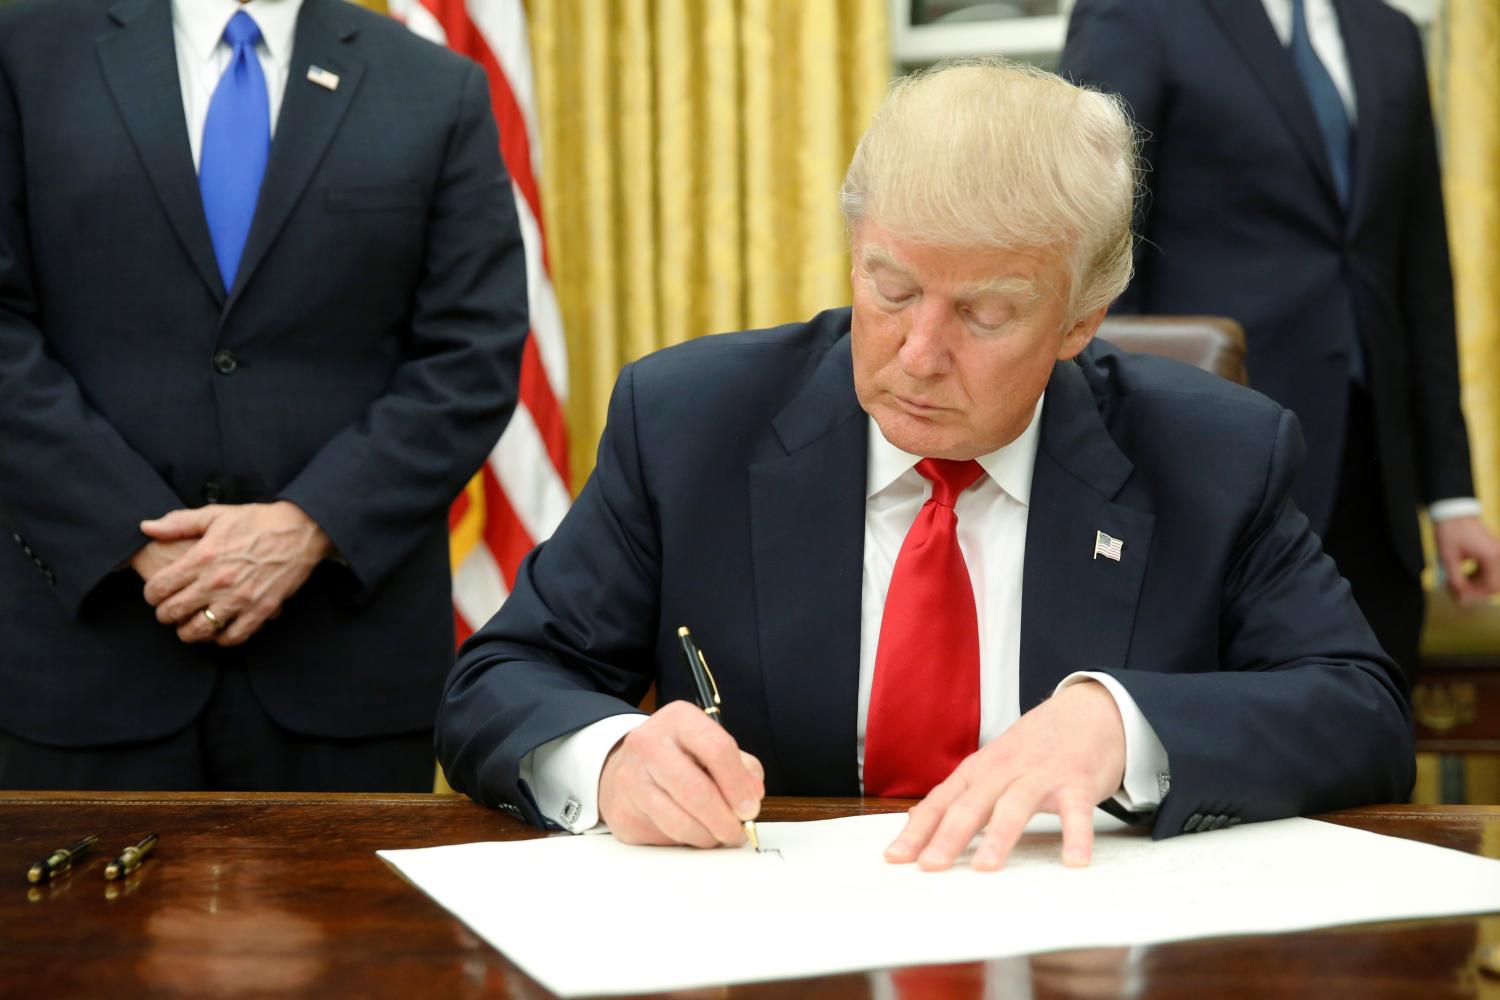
(225, 363)
(212, 493)
(1191, 825)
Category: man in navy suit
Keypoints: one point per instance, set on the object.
(1294, 186)
(262, 303)
(940, 544)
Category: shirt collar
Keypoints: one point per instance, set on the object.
(1009, 466)
(202, 23)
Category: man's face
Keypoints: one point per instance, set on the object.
(953, 347)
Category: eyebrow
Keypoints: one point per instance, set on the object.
(1025, 291)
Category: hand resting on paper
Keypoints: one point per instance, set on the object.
(1064, 756)
(680, 779)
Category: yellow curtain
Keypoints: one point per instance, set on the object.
(692, 153)
(1468, 68)
(1466, 85)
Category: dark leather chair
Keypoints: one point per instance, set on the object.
(1213, 343)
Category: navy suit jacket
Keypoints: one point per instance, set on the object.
(362, 365)
(729, 497)
(1242, 220)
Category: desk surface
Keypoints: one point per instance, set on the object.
(282, 895)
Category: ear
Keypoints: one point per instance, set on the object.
(1078, 336)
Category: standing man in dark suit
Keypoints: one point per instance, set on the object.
(939, 545)
(262, 303)
(1294, 186)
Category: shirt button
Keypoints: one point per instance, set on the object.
(212, 493)
(225, 363)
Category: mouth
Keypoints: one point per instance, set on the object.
(916, 407)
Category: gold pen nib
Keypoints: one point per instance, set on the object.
(751, 836)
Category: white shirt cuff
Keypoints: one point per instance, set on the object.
(563, 774)
(1148, 773)
(1447, 510)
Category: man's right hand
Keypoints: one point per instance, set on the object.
(153, 557)
(680, 779)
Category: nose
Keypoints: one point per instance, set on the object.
(924, 351)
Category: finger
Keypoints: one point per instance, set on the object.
(675, 822)
(1460, 585)
(199, 629)
(753, 765)
(987, 808)
(1486, 576)
(205, 591)
(922, 820)
(716, 752)
(246, 623)
(1077, 832)
(1009, 815)
(187, 523)
(680, 777)
(178, 574)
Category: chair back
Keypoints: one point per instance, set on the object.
(1213, 343)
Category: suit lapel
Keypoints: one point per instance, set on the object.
(1077, 612)
(139, 60)
(1362, 49)
(807, 542)
(310, 115)
(1250, 32)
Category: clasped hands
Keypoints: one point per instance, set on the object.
(680, 779)
(241, 562)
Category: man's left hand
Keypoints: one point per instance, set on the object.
(249, 558)
(1470, 556)
(1064, 756)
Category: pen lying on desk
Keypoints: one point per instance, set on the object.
(58, 861)
(130, 859)
(708, 700)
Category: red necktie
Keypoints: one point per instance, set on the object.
(924, 703)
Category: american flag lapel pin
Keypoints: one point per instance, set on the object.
(323, 78)
(1107, 546)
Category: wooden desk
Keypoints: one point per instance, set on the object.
(281, 895)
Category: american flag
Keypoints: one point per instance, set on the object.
(1107, 546)
(521, 494)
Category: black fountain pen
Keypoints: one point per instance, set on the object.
(58, 861)
(708, 700)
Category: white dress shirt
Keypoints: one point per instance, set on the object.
(1328, 42)
(202, 54)
(564, 774)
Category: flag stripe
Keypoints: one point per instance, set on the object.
(521, 493)
(535, 490)
(515, 142)
(537, 397)
(504, 542)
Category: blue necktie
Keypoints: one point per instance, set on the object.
(236, 144)
(1328, 106)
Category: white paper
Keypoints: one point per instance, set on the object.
(589, 915)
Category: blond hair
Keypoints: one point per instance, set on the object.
(990, 153)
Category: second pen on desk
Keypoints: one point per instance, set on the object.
(708, 700)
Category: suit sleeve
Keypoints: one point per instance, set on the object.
(1306, 712)
(376, 486)
(1115, 46)
(573, 643)
(1427, 311)
(72, 488)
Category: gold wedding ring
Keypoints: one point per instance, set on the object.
(214, 620)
